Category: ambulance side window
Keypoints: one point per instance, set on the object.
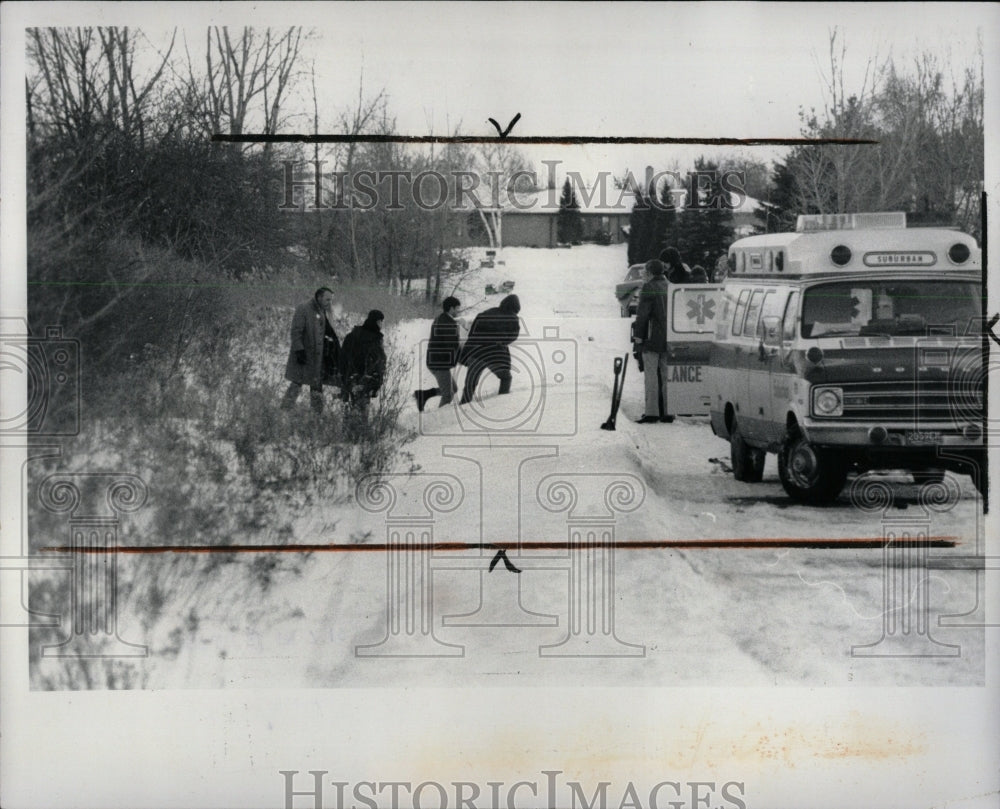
(791, 318)
(774, 304)
(723, 322)
(741, 310)
(753, 311)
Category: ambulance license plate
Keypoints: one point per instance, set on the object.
(922, 437)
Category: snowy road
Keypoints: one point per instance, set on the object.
(534, 467)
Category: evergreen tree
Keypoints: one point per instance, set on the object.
(784, 197)
(664, 223)
(639, 229)
(706, 224)
(569, 223)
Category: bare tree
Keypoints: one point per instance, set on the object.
(246, 77)
(929, 157)
(502, 169)
(83, 80)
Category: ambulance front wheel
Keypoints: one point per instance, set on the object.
(747, 461)
(808, 474)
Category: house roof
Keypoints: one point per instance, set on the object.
(603, 201)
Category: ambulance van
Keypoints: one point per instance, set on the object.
(852, 344)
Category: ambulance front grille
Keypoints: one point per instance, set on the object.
(911, 401)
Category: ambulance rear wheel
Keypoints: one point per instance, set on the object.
(808, 474)
(747, 461)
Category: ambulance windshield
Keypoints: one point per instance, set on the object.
(891, 308)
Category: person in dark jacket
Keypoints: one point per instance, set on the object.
(650, 334)
(677, 271)
(486, 348)
(362, 361)
(442, 355)
(314, 354)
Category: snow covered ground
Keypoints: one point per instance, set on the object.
(534, 467)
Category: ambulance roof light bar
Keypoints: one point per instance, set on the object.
(811, 223)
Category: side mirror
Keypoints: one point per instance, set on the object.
(770, 330)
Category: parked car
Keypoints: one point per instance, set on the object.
(627, 291)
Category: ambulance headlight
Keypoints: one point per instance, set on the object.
(828, 402)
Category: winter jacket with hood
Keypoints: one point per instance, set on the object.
(362, 358)
(490, 334)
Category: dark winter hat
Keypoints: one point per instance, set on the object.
(511, 305)
(671, 257)
(374, 316)
(449, 302)
(655, 267)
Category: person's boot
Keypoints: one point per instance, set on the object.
(423, 395)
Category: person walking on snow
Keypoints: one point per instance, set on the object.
(486, 348)
(650, 334)
(442, 355)
(363, 361)
(314, 353)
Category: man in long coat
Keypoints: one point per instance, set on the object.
(650, 334)
(314, 352)
(442, 354)
(486, 347)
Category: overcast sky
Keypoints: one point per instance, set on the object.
(665, 70)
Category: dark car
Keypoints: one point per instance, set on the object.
(627, 291)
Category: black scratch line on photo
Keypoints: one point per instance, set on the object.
(532, 140)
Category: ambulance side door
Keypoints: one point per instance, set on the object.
(769, 359)
(783, 374)
(734, 358)
(757, 374)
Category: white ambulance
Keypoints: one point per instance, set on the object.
(853, 344)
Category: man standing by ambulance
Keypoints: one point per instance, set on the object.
(649, 332)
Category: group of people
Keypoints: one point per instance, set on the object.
(485, 349)
(357, 367)
(317, 358)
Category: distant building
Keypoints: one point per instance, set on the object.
(532, 222)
